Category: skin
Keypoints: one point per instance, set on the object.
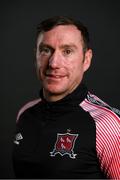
(61, 62)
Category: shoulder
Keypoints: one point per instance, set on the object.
(27, 106)
(99, 110)
(107, 122)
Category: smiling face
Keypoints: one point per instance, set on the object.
(61, 61)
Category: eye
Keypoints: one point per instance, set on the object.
(67, 51)
(45, 50)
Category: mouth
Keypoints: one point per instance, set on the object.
(54, 76)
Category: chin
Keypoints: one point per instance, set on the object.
(55, 89)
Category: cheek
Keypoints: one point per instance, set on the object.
(39, 67)
(38, 63)
(74, 67)
(76, 72)
(41, 63)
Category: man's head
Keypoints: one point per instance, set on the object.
(62, 55)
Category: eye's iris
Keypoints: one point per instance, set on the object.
(45, 50)
(67, 51)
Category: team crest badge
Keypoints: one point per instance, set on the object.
(64, 145)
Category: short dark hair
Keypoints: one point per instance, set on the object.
(50, 23)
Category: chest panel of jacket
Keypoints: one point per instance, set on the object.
(57, 145)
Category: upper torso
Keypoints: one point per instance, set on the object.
(58, 140)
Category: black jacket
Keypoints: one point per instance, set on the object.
(57, 139)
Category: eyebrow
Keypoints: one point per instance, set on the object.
(44, 45)
(71, 45)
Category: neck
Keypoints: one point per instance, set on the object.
(52, 97)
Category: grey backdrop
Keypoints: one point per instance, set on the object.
(19, 84)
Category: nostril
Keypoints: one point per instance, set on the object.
(53, 63)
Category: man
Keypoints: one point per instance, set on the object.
(67, 132)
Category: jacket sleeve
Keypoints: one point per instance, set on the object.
(108, 145)
(107, 134)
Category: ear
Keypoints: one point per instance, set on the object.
(87, 59)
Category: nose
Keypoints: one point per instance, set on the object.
(55, 60)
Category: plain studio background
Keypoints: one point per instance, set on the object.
(19, 84)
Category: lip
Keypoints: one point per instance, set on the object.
(54, 76)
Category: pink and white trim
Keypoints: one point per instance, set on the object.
(107, 137)
(26, 106)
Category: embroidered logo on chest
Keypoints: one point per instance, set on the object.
(64, 145)
(18, 137)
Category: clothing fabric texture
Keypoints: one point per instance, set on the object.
(76, 137)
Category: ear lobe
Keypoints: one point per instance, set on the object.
(87, 60)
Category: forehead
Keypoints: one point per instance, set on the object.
(61, 34)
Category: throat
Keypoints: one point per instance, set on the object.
(58, 95)
(52, 97)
